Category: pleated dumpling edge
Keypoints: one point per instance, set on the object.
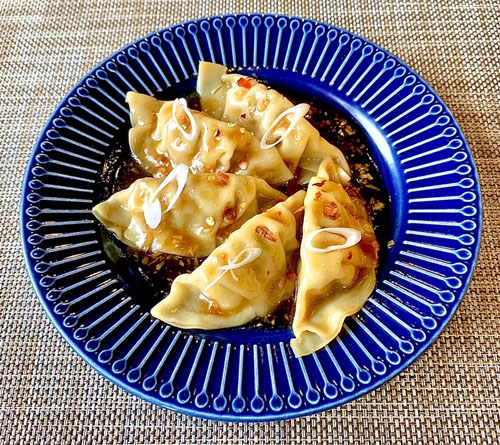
(165, 134)
(333, 281)
(149, 216)
(270, 116)
(244, 278)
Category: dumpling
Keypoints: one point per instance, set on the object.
(244, 278)
(338, 260)
(167, 133)
(189, 216)
(268, 115)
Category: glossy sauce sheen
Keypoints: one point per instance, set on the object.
(148, 277)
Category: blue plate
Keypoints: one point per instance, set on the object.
(239, 375)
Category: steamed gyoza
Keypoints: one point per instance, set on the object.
(210, 197)
(268, 115)
(167, 133)
(151, 215)
(245, 277)
(338, 260)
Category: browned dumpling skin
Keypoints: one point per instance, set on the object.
(210, 207)
(214, 297)
(332, 285)
(246, 102)
(161, 139)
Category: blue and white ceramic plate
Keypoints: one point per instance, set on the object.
(240, 375)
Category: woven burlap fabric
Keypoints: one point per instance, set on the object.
(49, 395)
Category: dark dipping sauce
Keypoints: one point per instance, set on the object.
(147, 277)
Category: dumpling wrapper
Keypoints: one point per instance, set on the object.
(336, 284)
(261, 284)
(158, 145)
(210, 207)
(246, 102)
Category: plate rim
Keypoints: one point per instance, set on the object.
(270, 415)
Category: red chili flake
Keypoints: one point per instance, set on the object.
(243, 165)
(291, 275)
(230, 215)
(163, 170)
(331, 210)
(264, 232)
(349, 255)
(318, 196)
(223, 178)
(350, 208)
(213, 308)
(244, 83)
(243, 116)
(217, 133)
(320, 184)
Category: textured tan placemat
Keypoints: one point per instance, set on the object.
(48, 394)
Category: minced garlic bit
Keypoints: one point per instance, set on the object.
(262, 105)
(243, 165)
(210, 221)
(349, 130)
